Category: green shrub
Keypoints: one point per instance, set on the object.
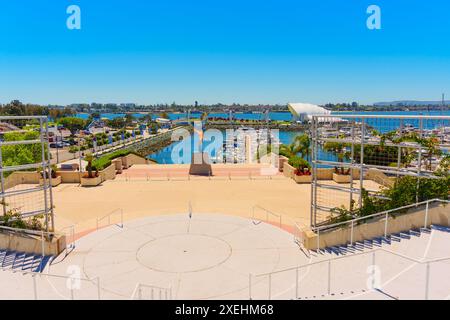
(299, 163)
(105, 161)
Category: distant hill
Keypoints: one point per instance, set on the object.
(408, 103)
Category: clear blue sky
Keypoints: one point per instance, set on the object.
(244, 51)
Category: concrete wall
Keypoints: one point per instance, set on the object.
(380, 177)
(21, 177)
(69, 176)
(108, 173)
(31, 244)
(132, 159)
(288, 170)
(438, 214)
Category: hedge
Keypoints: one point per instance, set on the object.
(105, 161)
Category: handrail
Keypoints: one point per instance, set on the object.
(32, 232)
(108, 216)
(72, 243)
(279, 216)
(383, 213)
(138, 290)
(349, 256)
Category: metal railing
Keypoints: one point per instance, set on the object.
(382, 215)
(149, 292)
(291, 277)
(41, 234)
(266, 214)
(108, 218)
(70, 237)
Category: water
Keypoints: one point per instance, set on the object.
(286, 137)
(278, 116)
(168, 156)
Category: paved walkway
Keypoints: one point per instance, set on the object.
(206, 257)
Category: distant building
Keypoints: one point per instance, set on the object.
(305, 111)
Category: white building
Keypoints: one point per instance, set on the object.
(305, 111)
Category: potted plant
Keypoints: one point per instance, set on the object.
(91, 178)
(56, 180)
(302, 172)
(340, 174)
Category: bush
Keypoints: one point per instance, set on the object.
(73, 149)
(105, 161)
(300, 164)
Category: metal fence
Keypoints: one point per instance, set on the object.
(149, 292)
(381, 216)
(390, 274)
(352, 153)
(22, 199)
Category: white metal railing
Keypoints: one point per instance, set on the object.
(266, 214)
(70, 237)
(149, 292)
(384, 215)
(261, 286)
(36, 233)
(107, 217)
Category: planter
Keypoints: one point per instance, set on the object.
(31, 242)
(288, 170)
(91, 182)
(117, 164)
(302, 179)
(55, 181)
(341, 178)
(281, 161)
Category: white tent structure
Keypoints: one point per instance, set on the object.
(305, 111)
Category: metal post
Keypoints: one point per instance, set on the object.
(329, 277)
(314, 138)
(42, 243)
(426, 215)
(318, 241)
(361, 173)
(2, 179)
(419, 160)
(399, 151)
(45, 169)
(52, 214)
(250, 286)
(98, 288)
(386, 225)
(373, 270)
(270, 286)
(427, 281)
(35, 288)
(351, 235)
(352, 163)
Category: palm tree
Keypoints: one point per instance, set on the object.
(301, 144)
(89, 158)
(339, 149)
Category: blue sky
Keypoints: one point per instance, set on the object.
(243, 51)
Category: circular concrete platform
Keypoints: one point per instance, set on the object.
(184, 253)
(207, 257)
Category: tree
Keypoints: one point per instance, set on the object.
(129, 119)
(339, 149)
(72, 123)
(89, 158)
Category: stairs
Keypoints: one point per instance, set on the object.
(21, 261)
(379, 241)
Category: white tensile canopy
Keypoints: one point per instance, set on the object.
(305, 111)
